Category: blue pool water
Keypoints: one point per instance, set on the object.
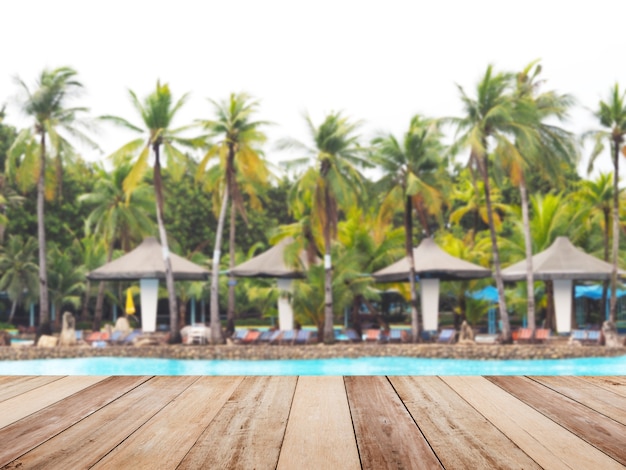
(360, 366)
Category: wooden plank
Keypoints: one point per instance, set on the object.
(23, 384)
(86, 442)
(319, 432)
(615, 383)
(29, 432)
(546, 442)
(249, 429)
(18, 407)
(599, 430)
(386, 435)
(459, 435)
(169, 435)
(588, 394)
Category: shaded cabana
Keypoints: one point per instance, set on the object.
(562, 263)
(146, 264)
(432, 265)
(271, 264)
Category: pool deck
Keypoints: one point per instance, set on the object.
(288, 422)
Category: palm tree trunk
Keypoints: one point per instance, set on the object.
(230, 313)
(329, 333)
(44, 312)
(169, 275)
(13, 308)
(216, 329)
(613, 308)
(408, 242)
(504, 316)
(85, 309)
(530, 282)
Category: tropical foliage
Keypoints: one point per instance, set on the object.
(504, 189)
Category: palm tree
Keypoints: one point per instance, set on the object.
(538, 144)
(47, 105)
(119, 218)
(490, 117)
(66, 281)
(596, 196)
(409, 181)
(366, 244)
(612, 115)
(332, 184)
(240, 170)
(19, 270)
(157, 113)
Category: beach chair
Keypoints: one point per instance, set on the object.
(372, 335)
(352, 336)
(239, 335)
(524, 335)
(288, 337)
(303, 337)
(542, 334)
(275, 337)
(593, 337)
(578, 335)
(265, 336)
(397, 336)
(447, 336)
(251, 337)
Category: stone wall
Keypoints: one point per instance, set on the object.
(314, 351)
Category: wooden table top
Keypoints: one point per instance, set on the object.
(291, 422)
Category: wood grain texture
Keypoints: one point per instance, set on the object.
(249, 428)
(616, 384)
(386, 435)
(585, 392)
(597, 429)
(31, 431)
(169, 435)
(460, 436)
(319, 433)
(13, 386)
(86, 442)
(38, 398)
(545, 441)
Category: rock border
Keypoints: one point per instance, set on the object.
(314, 351)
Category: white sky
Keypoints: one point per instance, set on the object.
(380, 62)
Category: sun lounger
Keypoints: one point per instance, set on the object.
(251, 337)
(304, 337)
(397, 336)
(586, 337)
(525, 335)
(487, 339)
(372, 335)
(542, 334)
(447, 336)
(288, 337)
(239, 335)
(275, 337)
(265, 336)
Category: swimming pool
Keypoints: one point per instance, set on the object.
(358, 366)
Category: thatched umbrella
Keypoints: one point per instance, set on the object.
(271, 264)
(562, 263)
(432, 265)
(146, 264)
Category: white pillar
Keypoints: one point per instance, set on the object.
(563, 305)
(285, 312)
(149, 296)
(429, 293)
